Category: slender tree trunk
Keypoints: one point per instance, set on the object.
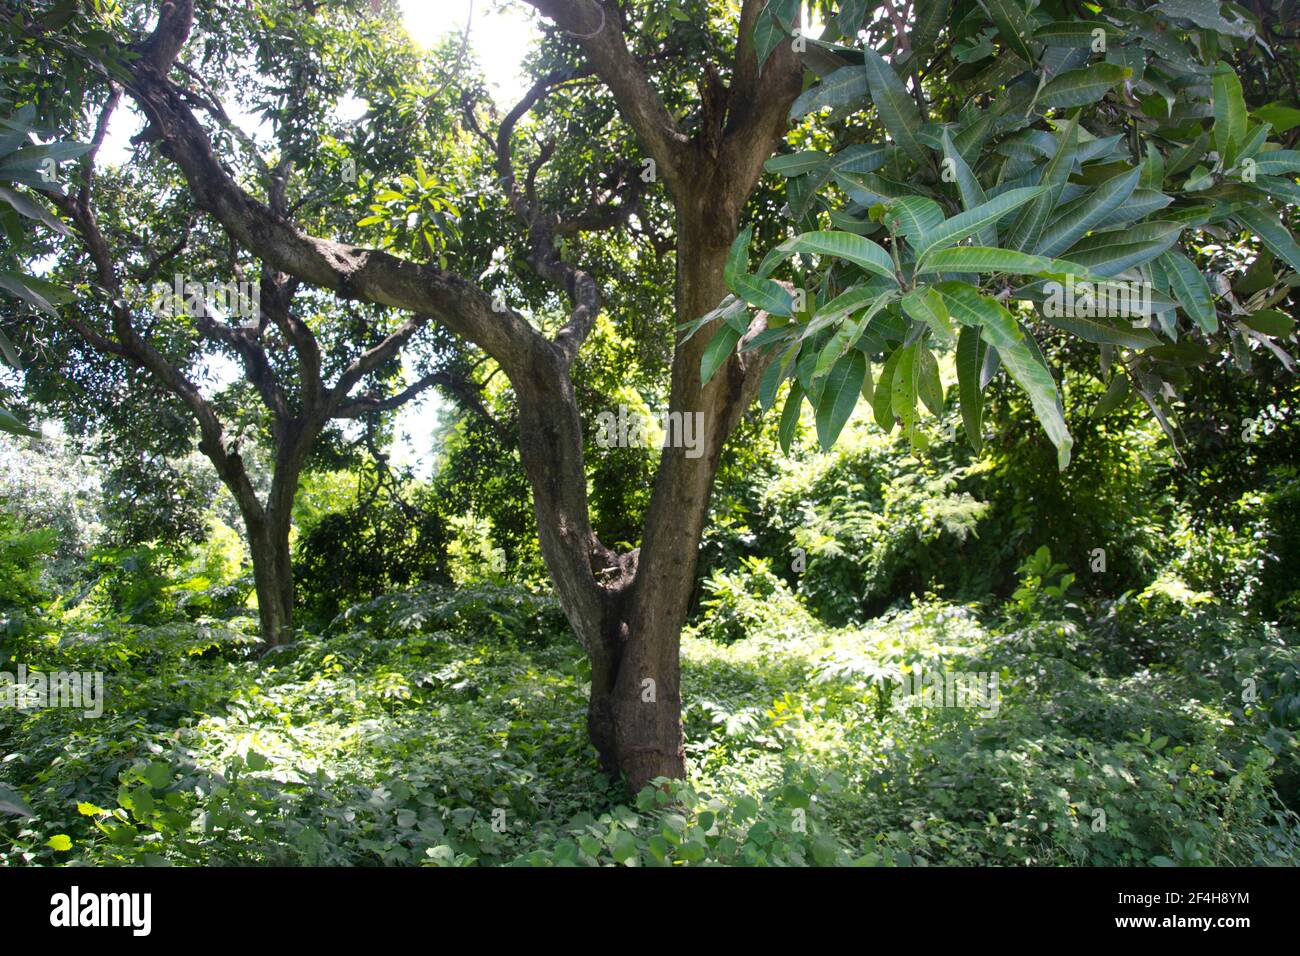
(268, 528)
(268, 542)
(635, 713)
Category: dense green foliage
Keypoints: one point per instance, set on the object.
(393, 733)
(1139, 609)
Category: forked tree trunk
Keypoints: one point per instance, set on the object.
(635, 712)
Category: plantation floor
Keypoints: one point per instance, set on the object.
(448, 728)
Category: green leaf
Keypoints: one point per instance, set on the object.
(1086, 213)
(1074, 34)
(970, 357)
(1001, 331)
(913, 217)
(929, 385)
(1028, 226)
(773, 376)
(13, 425)
(764, 294)
(737, 263)
(717, 352)
(8, 353)
(1278, 115)
(1192, 290)
(898, 111)
(1014, 27)
(1271, 232)
(31, 210)
(929, 18)
(790, 416)
(846, 85)
(882, 403)
(981, 259)
(1102, 330)
(839, 397)
(797, 164)
(60, 843)
(1270, 322)
(768, 34)
(847, 246)
(1110, 253)
(926, 305)
(16, 284)
(1081, 87)
(973, 220)
(1276, 162)
(972, 193)
(1115, 395)
(1205, 13)
(904, 394)
(1229, 113)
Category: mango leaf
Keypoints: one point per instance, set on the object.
(1116, 393)
(846, 85)
(1110, 253)
(8, 353)
(1014, 26)
(929, 385)
(12, 425)
(1081, 87)
(904, 394)
(1000, 330)
(970, 356)
(717, 352)
(1086, 213)
(32, 210)
(1229, 113)
(898, 111)
(981, 259)
(764, 294)
(972, 193)
(773, 376)
(1103, 331)
(1075, 34)
(768, 34)
(926, 305)
(797, 164)
(1270, 322)
(882, 403)
(1278, 162)
(913, 217)
(973, 220)
(1271, 232)
(16, 284)
(1192, 290)
(737, 263)
(1205, 13)
(790, 417)
(845, 245)
(1028, 226)
(839, 397)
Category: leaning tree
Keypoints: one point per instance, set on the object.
(949, 165)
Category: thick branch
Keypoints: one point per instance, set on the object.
(596, 30)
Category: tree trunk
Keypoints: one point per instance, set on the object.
(635, 712)
(268, 542)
